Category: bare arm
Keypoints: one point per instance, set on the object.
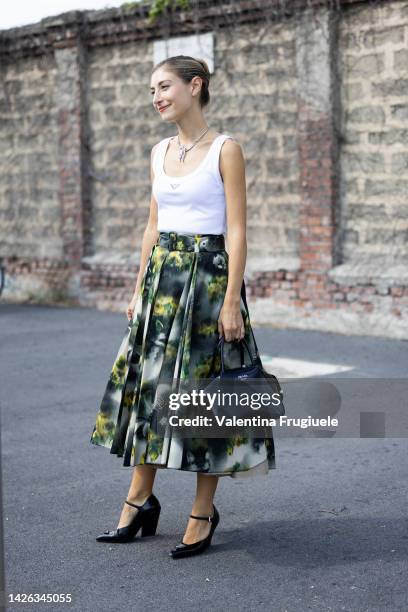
(150, 234)
(232, 166)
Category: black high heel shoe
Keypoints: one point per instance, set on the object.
(186, 550)
(147, 519)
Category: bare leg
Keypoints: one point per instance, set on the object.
(141, 488)
(202, 506)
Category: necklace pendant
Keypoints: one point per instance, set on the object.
(183, 149)
(182, 153)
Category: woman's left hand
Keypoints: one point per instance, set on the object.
(230, 322)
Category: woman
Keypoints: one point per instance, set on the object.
(187, 295)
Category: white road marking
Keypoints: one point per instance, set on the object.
(292, 368)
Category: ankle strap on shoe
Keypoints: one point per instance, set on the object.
(203, 518)
(131, 504)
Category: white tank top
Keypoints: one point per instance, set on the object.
(194, 203)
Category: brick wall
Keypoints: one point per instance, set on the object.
(318, 101)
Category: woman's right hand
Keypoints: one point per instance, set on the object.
(131, 306)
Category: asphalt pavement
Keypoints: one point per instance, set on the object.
(325, 531)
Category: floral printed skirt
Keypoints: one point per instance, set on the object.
(174, 333)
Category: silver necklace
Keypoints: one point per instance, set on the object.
(183, 149)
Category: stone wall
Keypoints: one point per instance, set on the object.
(318, 101)
(29, 203)
(374, 56)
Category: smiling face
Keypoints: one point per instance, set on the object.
(168, 90)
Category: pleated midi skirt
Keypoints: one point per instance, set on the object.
(174, 334)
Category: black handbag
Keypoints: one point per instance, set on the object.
(247, 379)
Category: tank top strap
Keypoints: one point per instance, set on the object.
(215, 154)
(158, 158)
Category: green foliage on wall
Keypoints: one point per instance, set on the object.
(158, 7)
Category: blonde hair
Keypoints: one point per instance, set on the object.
(186, 68)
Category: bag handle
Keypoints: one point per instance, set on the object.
(243, 343)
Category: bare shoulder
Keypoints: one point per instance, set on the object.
(231, 149)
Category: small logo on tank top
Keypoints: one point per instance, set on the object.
(175, 185)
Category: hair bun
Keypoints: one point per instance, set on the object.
(204, 65)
